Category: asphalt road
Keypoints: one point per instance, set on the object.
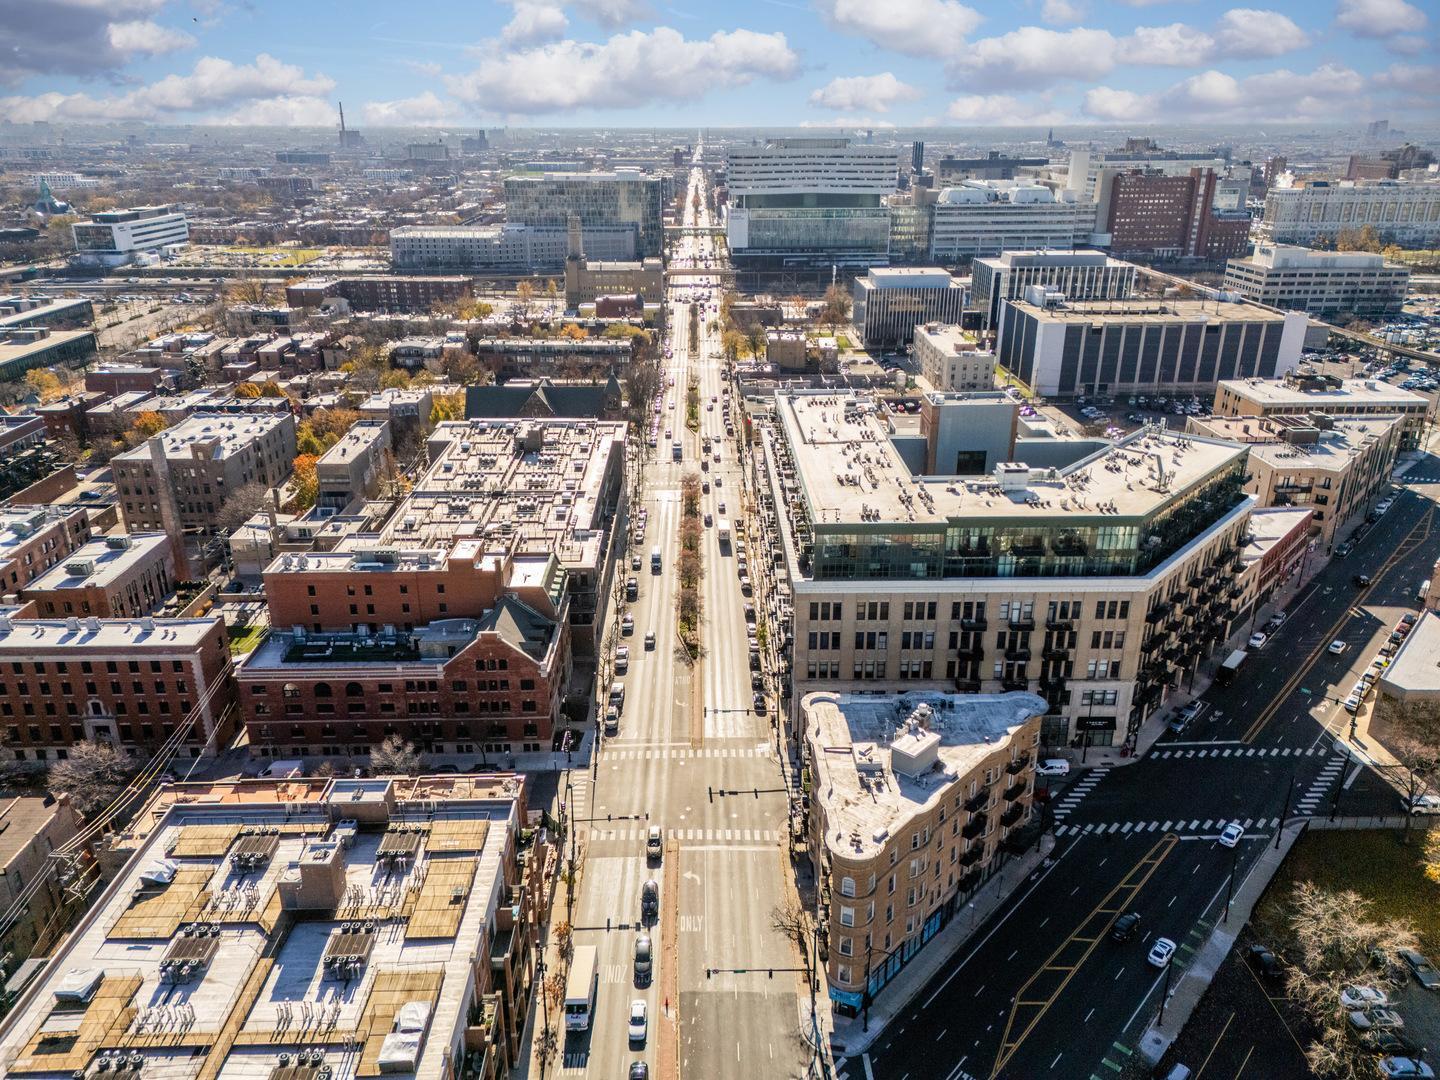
(708, 775)
(1040, 990)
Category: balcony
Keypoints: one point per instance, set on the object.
(1015, 684)
(977, 802)
(974, 624)
(1052, 683)
(1022, 622)
(1014, 814)
(974, 855)
(1014, 791)
(974, 652)
(1065, 625)
(1018, 765)
(1017, 655)
(975, 826)
(1053, 653)
(967, 686)
(1156, 614)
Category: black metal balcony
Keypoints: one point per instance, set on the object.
(1015, 684)
(974, 855)
(967, 686)
(977, 802)
(974, 624)
(1156, 614)
(1014, 814)
(1017, 655)
(1060, 624)
(1018, 765)
(974, 652)
(1014, 791)
(975, 826)
(1022, 622)
(1052, 684)
(1053, 652)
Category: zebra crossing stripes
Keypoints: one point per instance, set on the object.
(694, 836)
(1183, 828)
(1310, 801)
(619, 752)
(1240, 751)
(1078, 791)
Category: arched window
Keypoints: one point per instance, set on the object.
(322, 689)
(354, 689)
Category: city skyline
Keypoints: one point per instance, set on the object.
(828, 64)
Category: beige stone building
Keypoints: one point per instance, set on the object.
(951, 359)
(588, 279)
(914, 797)
(1338, 468)
(1304, 392)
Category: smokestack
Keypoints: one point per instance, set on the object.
(169, 513)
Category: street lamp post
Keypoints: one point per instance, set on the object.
(1289, 792)
(1164, 994)
(1230, 881)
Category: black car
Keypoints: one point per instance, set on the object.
(650, 899)
(1387, 1042)
(639, 1071)
(1265, 960)
(1361, 580)
(760, 705)
(1125, 926)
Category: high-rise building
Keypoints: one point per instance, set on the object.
(1076, 275)
(1402, 213)
(1098, 347)
(993, 166)
(1169, 216)
(917, 157)
(810, 201)
(1087, 166)
(599, 200)
(890, 303)
(985, 217)
(1356, 283)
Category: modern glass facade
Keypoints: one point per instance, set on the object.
(597, 199)
(1068, 546)
(863, 230)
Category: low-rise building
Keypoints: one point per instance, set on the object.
(545, 399)
(69, 416)
(890, 303)
(1412, 681)
(1340, 284)
(24, 348)
(113, 577)
(1305, 391)
(35, 538)
(353, 467)
(951, 359)
(31, 827)
(1336, 467)
(59, 313)
(253, 907)
(382, 292)
(586, 280)
(915, 797)
(134, 682)
(115, 379)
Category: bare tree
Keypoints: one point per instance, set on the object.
(240, 505)
(92, 774)
(1335, 942)
(394, 757)
(789, 919)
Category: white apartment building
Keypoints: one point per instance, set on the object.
(1321, 282)
(113, 237)
(1403, 213)
(985, 217)
(952, 360)
(1076, 275)
(820, 197)
(65, 181)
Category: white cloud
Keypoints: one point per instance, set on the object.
(1417, 77)
(422, 110)
(146, 37)
(213, 84)
(534, 22)
(1272, 95)
(1379, 18)
(1000, 110)
(1176, 45)
(858, 124)
(87, 38)
(1106, 103)
(630, 69)
(1062, 12)
(864, 92)
(1254, 32)
(283, 111)
(931, 28)
(611, 13)
(1033, 56)
(1407, 44)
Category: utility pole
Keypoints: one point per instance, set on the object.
(1164, 993)
(1285, 813)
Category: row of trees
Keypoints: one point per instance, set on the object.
(691, 564)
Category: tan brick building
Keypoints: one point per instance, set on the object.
(1304, 392)
(113, 577)
(35, 538)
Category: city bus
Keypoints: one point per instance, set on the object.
(580, 988)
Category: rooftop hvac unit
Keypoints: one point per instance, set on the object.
(80, 567)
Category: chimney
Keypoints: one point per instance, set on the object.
(169, 512)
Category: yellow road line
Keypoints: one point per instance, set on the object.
(1215, 1046)
(1244, 1063)
(1107, 909)
(1402, 550)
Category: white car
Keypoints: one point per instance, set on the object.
(627, 623)
(1363, 997)
(638, 1020)
(1257, 640)
(1425, 804)
(1161, 952)
(1338, 647)
(1376, 1020)
(1053, 767)
(1231, 834)
(1397, 1068)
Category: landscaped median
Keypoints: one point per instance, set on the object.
(690, 565)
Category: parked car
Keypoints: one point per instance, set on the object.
(1425, 804)
(1409, 1068)
(1258, 639)
(1053, 767)
(639, 1020)
(627, 623)
(1363, 997)
(1264, 959)
(1424, 971)
(1370, 1019)
(1161, 952)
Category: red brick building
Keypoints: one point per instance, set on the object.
(35, 538)
(1170, 217)
(133, 682)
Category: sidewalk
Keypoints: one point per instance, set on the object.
(847, 1036)
(1186, 993)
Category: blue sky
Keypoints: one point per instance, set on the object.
(747, 62)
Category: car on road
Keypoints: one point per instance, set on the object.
(1389, 1042)
(1161, 952)
(1053, 767)
(1406, 1067)
(644, 959)
(650, 899)
(632, 588)
(708, 519)
(1258, 639)
(622, 658)
(627, 623)
(1363, 997)
(649, 640)
(1372, 1019)
(760, 706)
(1424, 971)
(1231, 834)
(1361, 580)
(654, 843)
(639, 1020)
(1344, 549)
(639, 1070)
(1337, 647)
(1126, 926)
(635, 561)
(1425, 804)
(612, 720)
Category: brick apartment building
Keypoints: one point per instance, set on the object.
(1170, 217)
(133, 682)
(113, 577)
(35, 538)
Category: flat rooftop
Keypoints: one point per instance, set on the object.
(847, 470)
(19, 524)
(1010, 259)
(14, 350)
(1334, 448)
(361, 436)
(852, 737)
(1414, 672)
(1129, 312)
(18, 637)
(13, 313)
(1355, 392)
(950, 339)
(256, 884)
(911, 277)
(102, 562)
(223, 433)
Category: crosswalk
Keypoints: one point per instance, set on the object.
(1239, 751)
(1318, 788)
(620, 752)
(1078, 791)
(693, 836)
(1182, 827)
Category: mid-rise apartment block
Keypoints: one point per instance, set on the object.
(1076, 275)
(385, 292)
(35, 538)
(888, 304)
(979, 218)
(1337, 284)
(624, 198)
(243, 928)
(133, 682)
(1144, 346)
(113, 577)
(1097, 582)
(586, 280)
(1314, 213)
(35, 826)
(1337, 467)
(181, 478)
(916, 796)
(1087, 169)
(353, 467)
(951, 359)
(1303, 392)
(113, 237)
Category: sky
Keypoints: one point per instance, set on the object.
(678, 63)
